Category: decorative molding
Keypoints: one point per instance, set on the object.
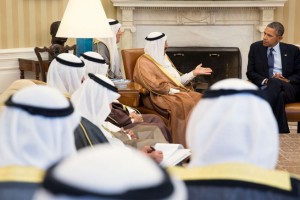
(9, 65)
(194, 17)
(193, 4)
(127, 20)
(12, 53)
(132, 13)
(5, 69)
(241, 22)
(9, 57)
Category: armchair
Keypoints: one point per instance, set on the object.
(146, 106)
(292, 111)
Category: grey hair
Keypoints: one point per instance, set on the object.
(279, 28)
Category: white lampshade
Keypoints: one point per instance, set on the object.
(84, 19)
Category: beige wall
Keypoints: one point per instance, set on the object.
(290, 19)
(26, 23)
(109, 9)
(296, 23)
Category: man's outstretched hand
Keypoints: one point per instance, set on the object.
(199, 70)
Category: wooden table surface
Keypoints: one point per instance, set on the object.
(130, 95)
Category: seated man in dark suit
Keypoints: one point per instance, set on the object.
(275, 67)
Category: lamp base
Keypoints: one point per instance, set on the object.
(83, 45)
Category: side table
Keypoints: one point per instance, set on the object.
(130, 95)
(31, 65)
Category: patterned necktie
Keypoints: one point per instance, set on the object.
(271, 62)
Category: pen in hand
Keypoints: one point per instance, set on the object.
(152, 148)
(149, 149)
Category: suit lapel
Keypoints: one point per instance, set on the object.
(284, 57)
(263, 53)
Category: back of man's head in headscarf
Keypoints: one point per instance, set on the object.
(94, 63)
(65, 73)
(155, 46)
(107, 172)
(37, 128)
(233, 123)
(93, 98)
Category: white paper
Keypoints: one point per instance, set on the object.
(172, 153)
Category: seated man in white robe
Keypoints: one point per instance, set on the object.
(107, 173)
(36, 130)
(93, 99)
(234, 138)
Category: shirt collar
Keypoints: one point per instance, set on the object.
(276, 48)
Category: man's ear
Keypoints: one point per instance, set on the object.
(280, 38)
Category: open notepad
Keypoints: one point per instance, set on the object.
(172, 153)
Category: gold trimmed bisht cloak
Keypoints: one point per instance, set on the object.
(157, 80)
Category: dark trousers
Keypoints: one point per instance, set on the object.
(279, 93)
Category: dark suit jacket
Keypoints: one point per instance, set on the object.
(18, 190)
(257, 69)
(119, 115)
(89, 133)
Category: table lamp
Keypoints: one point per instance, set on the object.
(84, 20)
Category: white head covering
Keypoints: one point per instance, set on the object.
(94, 63)
(105, 172)
(94, 97)
(235, 127)
(155, 46)
(111, 44)
(66, 73)
(37, 128)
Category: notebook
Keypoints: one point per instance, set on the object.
(172, 153)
